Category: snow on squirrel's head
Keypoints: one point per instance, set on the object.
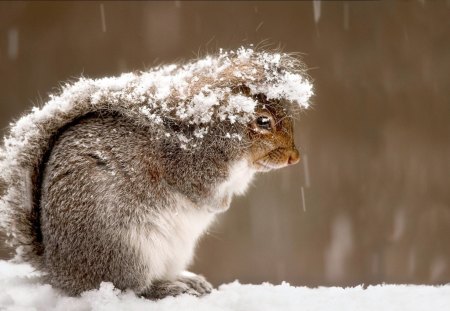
(225, 87)
(245, 96)
(221, 95)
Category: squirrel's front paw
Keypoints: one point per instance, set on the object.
(162, 289)
(186, 283)
(196, 282)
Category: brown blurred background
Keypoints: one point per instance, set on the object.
(375, 145)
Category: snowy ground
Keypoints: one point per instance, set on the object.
(20, 289)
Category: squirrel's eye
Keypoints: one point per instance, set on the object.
(263, 122)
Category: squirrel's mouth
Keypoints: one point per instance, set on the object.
(277, 158)
(265, 166)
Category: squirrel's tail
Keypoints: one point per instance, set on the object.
(24, 154)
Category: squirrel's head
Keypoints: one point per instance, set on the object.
(270, 132)
(271, 135)
(235, 100)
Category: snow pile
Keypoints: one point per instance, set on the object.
(20, 289)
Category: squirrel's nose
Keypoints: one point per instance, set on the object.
(294, 156)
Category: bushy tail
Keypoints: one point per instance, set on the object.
(24, 152)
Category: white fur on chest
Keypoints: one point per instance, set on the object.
(239, 178)
(167, 245)
(167, 242)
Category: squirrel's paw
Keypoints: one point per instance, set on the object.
(186, 283)
(196, 282)
(162, 289)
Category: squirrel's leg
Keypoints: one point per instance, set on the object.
(186, 283)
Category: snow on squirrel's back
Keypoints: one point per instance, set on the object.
(20, 289)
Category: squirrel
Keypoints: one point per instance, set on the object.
(115, 179)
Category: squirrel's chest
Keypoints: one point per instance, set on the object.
(166, 246)
(240, 176)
